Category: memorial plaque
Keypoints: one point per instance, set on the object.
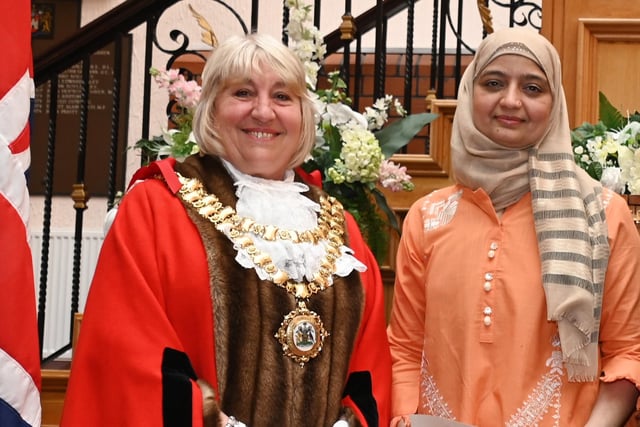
(55, 22)
(66, 151)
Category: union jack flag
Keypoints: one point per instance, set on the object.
(19, 348)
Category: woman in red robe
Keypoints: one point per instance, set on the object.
(229, 292)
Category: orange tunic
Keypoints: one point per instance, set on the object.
(469, 333)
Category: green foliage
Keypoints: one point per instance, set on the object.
(361, 202)
(610, 117)
(341, 127)
(580, 137)
(398, 134)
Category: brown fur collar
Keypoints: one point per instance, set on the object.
(257, 383)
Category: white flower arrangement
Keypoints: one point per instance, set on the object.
(609, 150)
(352, 150)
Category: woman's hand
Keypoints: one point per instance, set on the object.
(230, 421)
(224, 419)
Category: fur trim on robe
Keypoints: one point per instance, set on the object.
(257, 383)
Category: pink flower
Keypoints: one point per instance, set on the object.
(165, 78)
(395, 177)
(186, 93)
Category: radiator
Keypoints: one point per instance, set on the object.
(57, 324)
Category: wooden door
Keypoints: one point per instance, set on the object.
(599, 46)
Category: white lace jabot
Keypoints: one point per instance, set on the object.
(281, 203)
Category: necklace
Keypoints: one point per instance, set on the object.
(301, 333)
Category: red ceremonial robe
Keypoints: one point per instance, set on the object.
(148, 327)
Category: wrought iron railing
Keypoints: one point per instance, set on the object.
(111, 33)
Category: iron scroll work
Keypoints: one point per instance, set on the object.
(445, 21)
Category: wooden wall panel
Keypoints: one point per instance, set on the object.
(607, 61)
(599, 46)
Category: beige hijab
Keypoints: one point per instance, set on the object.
(567, 207)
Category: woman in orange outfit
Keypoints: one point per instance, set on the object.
(517, 299)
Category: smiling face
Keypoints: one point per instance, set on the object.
(258, 120)
(512, 101)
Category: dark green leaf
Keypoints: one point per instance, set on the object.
(333, 138)
(384, 206)
(609, 115)
(399, 133)
(595, 170)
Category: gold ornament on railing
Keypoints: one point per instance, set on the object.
(80, 196)
(207, 35)
(485, 15)
(348, 27)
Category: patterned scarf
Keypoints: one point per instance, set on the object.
(567, 207)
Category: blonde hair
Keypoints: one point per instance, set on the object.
(238, 57)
